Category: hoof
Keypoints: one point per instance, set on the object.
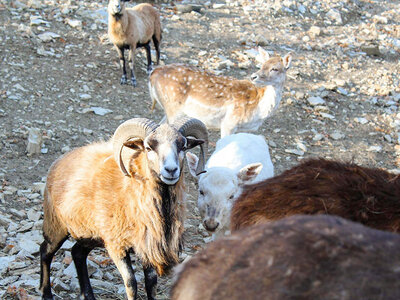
(133, 82)
(149, 70)
(124, 80)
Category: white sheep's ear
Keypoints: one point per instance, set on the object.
(262, 56)
(287, 60)
(249, 173)
(192, 161)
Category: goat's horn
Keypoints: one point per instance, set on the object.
(196, 128)
(133, 128)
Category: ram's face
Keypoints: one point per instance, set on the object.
(165, 149)
(218, 188)
(116, 6)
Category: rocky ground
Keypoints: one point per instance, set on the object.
(60, 83)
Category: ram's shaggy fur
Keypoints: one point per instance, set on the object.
(317, 186)
(115, 211)
(300, 257)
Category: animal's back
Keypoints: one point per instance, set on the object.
(237, 150)
(319, 186)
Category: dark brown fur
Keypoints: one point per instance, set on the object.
(300, 257)
(318, 186)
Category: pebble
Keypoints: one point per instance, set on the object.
(337, 135)
(295, 151)
(315, 101)
(361, 120)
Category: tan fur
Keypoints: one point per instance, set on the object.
(124, 31)
(89, 197)
(218, 101)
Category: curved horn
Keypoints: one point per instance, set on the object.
(194, 127)
(133, 128)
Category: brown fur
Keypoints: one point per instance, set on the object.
(318, 186)
(300, 257)
(123, 31)
(88, 196)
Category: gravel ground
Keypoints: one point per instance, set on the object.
(60, 79)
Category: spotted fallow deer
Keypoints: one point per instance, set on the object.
(224, 103)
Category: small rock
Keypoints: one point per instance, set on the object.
(85, 96)
(317, 137)
(361, 120)
(34, 141)
(48, 36)
(29, 246)
(371, 50)
(315, 101)
(74, 23)
(101, 111)
(374, 149)
(65, 149)
(327, 116)
(295, 151)
(314, 31)
(60, 286)
(87, 131)
(337, 135)
(335, 15)
(188, 8)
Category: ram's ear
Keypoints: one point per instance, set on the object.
(192, 142)
(192, 161)
(135, 144)
(248, 173)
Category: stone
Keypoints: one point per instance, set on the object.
(315, 101)
(29, 246)
(48, 36)
(4, 263)
(371, 50)
(361, 120)
(335, 15)
(101, 111)
(337, 135)
(295, 151)
(35, 140)
(74, 23)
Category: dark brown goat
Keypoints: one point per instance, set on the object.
(318, 186)
(300, 257)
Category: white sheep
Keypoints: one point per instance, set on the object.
(238, 159)
(126, 195)
(129, 28)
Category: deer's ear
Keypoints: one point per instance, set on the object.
(287, 60)
(263, 55)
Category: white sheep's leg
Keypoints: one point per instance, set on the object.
(79, 252)
(150, 281)
(124, 266)
(121, 56)
(47, 250)
(132, 65)
(148, 53)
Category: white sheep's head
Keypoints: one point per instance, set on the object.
(218, 188)
(115, 7)
(164, 146)
(272, 71)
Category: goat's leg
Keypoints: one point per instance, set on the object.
(47, 250)
(132, 50)
(157, 46)
(148, 53)
(124, 266)
(79, 252)
(150, 281)
(121, 56)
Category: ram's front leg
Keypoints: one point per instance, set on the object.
(124, 266)
(121, 56)
(132, 65)
(150, 281)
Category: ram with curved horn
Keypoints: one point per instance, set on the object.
(126, 195)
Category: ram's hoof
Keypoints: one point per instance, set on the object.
(133, 82)
(124, 80)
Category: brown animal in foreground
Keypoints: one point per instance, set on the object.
(300, 257)
(317, 186)
(126, 195)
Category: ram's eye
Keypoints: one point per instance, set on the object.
(148, 149)
(275, 69)
(201, 192)
(231, 197)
